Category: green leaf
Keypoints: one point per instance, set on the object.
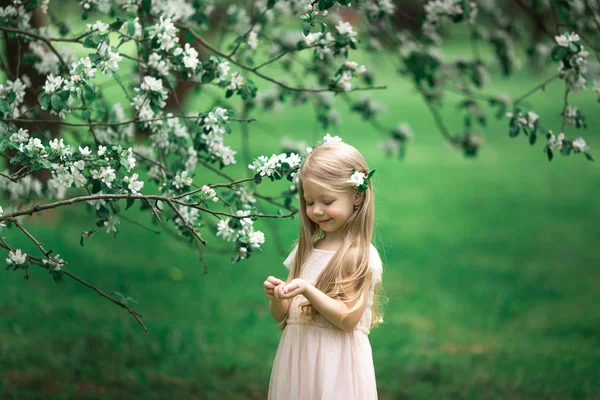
(46, 164)
(131, 28)
(257, 179)
(370, 174)
(64, 95)
(326, 4)
(4, 106)
(86, 114)
(514, 131)
(44, 99)
(102, 212)
(588, 156)
(559, 53)
(96, 186)
(271, 3)
(146, 5)
(31, 4)
(89, 93)
(57, 103)
(117, 24)
(57, 276)
(532, 137)
(130, 202)
(306, 28)
(81, 240)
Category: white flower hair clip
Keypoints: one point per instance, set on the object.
(360, 180)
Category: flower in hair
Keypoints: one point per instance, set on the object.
(360, 180)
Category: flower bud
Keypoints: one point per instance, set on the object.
(325, 13)
(310, 7)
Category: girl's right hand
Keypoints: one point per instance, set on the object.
(269, 286)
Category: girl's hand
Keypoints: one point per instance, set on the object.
(291, 289)
(269, 285)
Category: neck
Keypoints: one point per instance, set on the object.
(332, 238)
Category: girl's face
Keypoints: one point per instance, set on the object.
(329, 209)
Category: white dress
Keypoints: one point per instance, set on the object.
(318, 361)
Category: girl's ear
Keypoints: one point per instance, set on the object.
(357, 198)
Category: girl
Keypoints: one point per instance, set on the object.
(326, 304)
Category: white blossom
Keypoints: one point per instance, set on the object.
(555, 142)
(237, 81)
(255, 239)
(357, 179)
(566, 39)
(579, 145)
(99, 27)
(160, 64)
(85, 151)
(266, 166)
(21, 136)
(111, 59)
(225, 231)
(78, 178)
(182, 180)
(190, 58)
(53, 83)
(209, 193)
(252, 40)
(345, 29)
(165, 32)
(133, 184)
(328, 138)
(16, 257)
(111, 224)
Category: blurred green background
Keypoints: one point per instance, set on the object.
(491, 273)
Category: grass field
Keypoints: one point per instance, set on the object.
(491, 277)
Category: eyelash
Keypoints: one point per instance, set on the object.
(327, 204)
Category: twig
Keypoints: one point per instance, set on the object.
(564, 111)
(185, 221)
(40, 37)
(205, 44)
(112, 123)
(538, 87)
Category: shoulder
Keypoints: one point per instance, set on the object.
(374, 258)
(288, 261)
(375, 265)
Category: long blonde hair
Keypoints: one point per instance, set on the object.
(347, 276)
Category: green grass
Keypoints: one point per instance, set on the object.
(491, 274)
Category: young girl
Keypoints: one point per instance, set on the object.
(326, 303)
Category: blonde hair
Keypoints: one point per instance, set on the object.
(346, 276)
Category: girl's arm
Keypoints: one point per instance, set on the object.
(329, 308)
(279, 308)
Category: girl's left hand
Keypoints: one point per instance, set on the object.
(291, 289)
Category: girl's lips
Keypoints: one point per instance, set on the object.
(324, 222)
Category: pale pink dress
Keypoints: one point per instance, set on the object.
(318, 361)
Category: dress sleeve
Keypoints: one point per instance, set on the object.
(376, 266)
(288, 261)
